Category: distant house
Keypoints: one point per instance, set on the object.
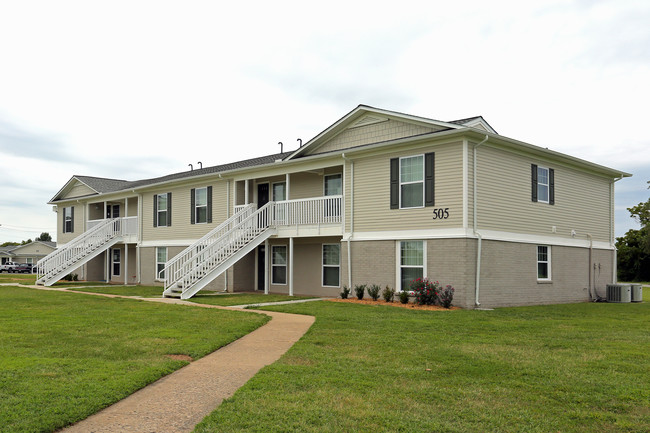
(377, 197)
(28, 253)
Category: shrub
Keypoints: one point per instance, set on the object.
(388, 294)
(359, 290)
(345, 292)
(426, 292)
(404, 297)
(445, 296)
(373, 291)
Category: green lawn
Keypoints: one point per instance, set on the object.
(226, 300)
(559, 368)
(64, 356)
(141, 291)
(28, 279)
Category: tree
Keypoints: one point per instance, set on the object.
(28, 241)
(634, 247)
(45, 237)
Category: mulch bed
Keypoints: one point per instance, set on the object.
(410, 305)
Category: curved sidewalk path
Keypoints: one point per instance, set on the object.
(179, 401)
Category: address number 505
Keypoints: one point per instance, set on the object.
(441, 214)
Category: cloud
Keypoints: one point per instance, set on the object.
(17, 141)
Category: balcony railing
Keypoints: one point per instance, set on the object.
(128, 225)
(316, 210)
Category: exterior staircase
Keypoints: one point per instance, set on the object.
(210, 256)
(79, 251)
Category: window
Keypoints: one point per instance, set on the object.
(279, 191)
(162, 210)
(116, 261)
(29, 260)
(201, 205)
(161, 261)
(543, 184)
(279, 264)
(331, 264)
(543, 262)
(68, 219)
(412, 181)
(332, 186)
(412, 258)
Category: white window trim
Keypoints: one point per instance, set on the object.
(68, 211)
(196, 206)
(158, 211)
(547, 261)
(547, 184)
(323, 265)
(325, 182)
(156, 276)
(286, 265)
(272, 192)
(113, 262)
(398, 261)
(400, 183)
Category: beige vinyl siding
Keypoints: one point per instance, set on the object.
(582, 200)
(181, 227)
(305, 185)
(373, 133)
(372, 210)
(33, 248)
(79, 217)
(78, 190)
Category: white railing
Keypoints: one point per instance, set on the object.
(223, 242)
(131, 225)
(85, 244)
(319, 210)
(181, 264)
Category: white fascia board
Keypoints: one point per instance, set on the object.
(67, 184)
(460, 233)
(360, 111)
(167, 243)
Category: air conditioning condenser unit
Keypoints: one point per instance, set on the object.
(637, 293)
(619, 293)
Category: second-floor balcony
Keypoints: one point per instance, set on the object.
(128, 227)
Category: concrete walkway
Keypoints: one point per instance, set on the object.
(179, 401)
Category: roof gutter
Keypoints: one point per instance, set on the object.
(475, 227)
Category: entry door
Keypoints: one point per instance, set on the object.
(261, 261)
(113, 211)
(262, 194)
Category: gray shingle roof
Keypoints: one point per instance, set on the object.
(104, 185)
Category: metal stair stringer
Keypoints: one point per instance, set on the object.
(222, 267)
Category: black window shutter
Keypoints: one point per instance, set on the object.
(394, 183)
(551, 186)
(534, 181)
(429, 178)
(192, 202)
(209, 204)
(72, 219)
(169, 209)
(63, 215)
(155, 210)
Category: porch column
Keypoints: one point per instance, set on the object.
(107, 269)
(267, 256)
(287, 183)
(126, 264)
(246, 191)
(105, 210)
(290, 266)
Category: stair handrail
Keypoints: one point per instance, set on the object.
(229, 243)
(79, 246)
(173, 267)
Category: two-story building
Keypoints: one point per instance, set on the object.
(379, 197)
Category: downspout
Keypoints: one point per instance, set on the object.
(611, 234)
(351, 216)
(476, 232)
(591, 246)
(225, 274)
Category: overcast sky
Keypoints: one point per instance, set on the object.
(136, 89)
